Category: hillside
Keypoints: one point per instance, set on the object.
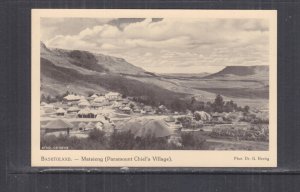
(259, 72)
(89, 62)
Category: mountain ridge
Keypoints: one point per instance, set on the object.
(240, 72)
(91, 61)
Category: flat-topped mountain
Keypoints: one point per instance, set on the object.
(258, 71)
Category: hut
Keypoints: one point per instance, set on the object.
(99, 99)
(94, 96)
(73, 110)
(84, 104)
(148, 109)
(87, 113)
(218, 117)
(90, 126)
(125, 101)
(170, 119)
(99, 125)
(126, 110)
(116, 104)
(136, 110)
(113, 96)
(82, 100)
(58, 125)
(96, 105)
(146, 127)
(71, 97)
(60, 112)
(81, 126)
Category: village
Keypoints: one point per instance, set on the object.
(78, 116)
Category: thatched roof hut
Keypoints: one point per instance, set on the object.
(73, 109)
(72, 97)
(99, 125)
(60, 112)
(146, 127)
(170, 119)
(58, 125)
(99, 99)
(90, 125)
(84, 104)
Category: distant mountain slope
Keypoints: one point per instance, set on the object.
(90, 61)
(241, 72)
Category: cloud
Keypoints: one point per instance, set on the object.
(174, 42)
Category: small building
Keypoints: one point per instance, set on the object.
(99, 99)
(58, 125)
(126, 110)
(125, 101)
(96, 105)
(71, 97)
(90, 126)
(84, 104)
(86, 113)
(99, 125)
(60, 112)
(148, 109)
(81, 126)
(116, 104)
(136, 110)
(217, 117)
(73, 110)
(170, 119)
(94, 96)
(113, 96)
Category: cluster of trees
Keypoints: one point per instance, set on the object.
(176, 104)
(219, 105)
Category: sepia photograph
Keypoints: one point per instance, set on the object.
(154, 82)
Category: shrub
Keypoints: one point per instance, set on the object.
(192, 141)
(122, 140)
(97, 135)
(186, 122)
(151, 142)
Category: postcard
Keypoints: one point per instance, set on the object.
(154, 88)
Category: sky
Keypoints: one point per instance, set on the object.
(165, 45)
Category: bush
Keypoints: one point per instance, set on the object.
(186, 122)
(122, 140)
(254, 133)
(151, 143)
(97, 135)
(192, 141)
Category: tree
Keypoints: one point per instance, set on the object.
(131, 105)
(218, 105)
(246, 109)
(230, 106)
